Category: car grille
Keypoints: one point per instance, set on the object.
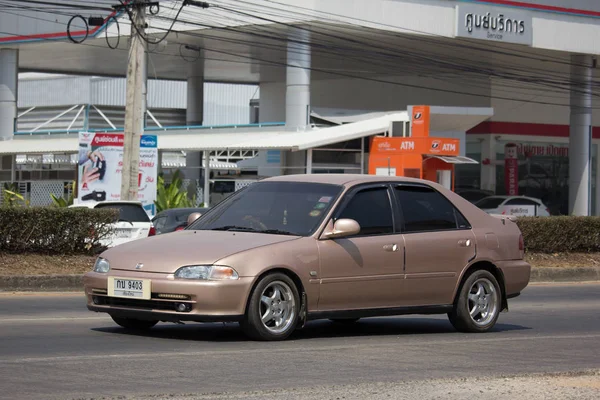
(139, 304)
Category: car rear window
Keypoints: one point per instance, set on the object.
(490, 202)
(128, 212)
(182, 216)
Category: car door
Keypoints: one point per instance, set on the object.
(439, 244)
(133, 223)
(365, 270)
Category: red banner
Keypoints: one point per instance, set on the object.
(511, 169)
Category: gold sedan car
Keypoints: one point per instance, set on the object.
(291, 249)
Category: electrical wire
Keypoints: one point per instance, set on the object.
(182, 46)
(118, 32)
(325, 47)
(312, 30)
(203, 35)
(87, 29)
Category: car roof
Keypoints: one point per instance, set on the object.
(93, 204)
(341, 179)
(505, 197)
(181, 210)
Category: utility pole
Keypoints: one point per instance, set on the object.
(134, 107)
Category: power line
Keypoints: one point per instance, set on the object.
(270, 62)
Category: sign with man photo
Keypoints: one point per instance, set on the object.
(100, 167)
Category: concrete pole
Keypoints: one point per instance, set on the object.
(297, 95)
(134, 107)
(580, 135)
(206, 191)
(145, 91)
(13, 168)
(362, 155)
(309, 161)
(194, 115)
(9, 81)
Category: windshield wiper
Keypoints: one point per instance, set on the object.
(248, 229)
(234, 228)
(278, 232)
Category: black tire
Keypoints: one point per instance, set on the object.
(345, 321)
(460, 316)
(134, 324)
(252, 323)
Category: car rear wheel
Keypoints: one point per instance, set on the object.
(478, 304)
(134, 324)
(272, 312)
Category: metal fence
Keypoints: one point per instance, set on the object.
(37, 193)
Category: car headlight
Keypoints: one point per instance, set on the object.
(207, 272)
(102, 265)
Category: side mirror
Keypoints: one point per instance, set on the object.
(342, 228)
(193, 217)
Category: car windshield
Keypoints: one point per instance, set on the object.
(490, 202)
(286, 208)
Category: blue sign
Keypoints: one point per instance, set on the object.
(149, 141)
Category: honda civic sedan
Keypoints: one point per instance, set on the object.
(291, 249)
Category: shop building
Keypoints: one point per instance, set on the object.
(317, 64)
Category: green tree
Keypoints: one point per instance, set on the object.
(171, 195)
(12, 198)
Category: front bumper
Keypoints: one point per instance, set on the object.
(205, 301)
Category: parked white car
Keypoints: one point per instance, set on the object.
(519, 206)
(134, 223)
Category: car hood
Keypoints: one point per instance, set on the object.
(166, 253)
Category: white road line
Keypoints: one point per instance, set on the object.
(284, 349)
(50, 319)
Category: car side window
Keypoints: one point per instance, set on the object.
(424, 209)
(372, 210)
(521, 202)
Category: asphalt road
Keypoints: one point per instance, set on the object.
(52, 347)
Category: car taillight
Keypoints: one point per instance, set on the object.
(152, 231)
(180, 228)
(521, 243)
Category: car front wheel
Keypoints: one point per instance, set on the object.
(478, 304)
(273, 308)
(134, 324)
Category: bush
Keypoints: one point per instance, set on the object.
(51, 230)
(560, 234)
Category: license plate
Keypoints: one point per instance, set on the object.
(123, 233)
(129, 288)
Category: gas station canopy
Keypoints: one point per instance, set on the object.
(442, 119)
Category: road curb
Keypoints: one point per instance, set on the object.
(69, 283)
(557, 274)
(41, 283)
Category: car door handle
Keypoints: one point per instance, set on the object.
(390, 247)
(464, 243)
